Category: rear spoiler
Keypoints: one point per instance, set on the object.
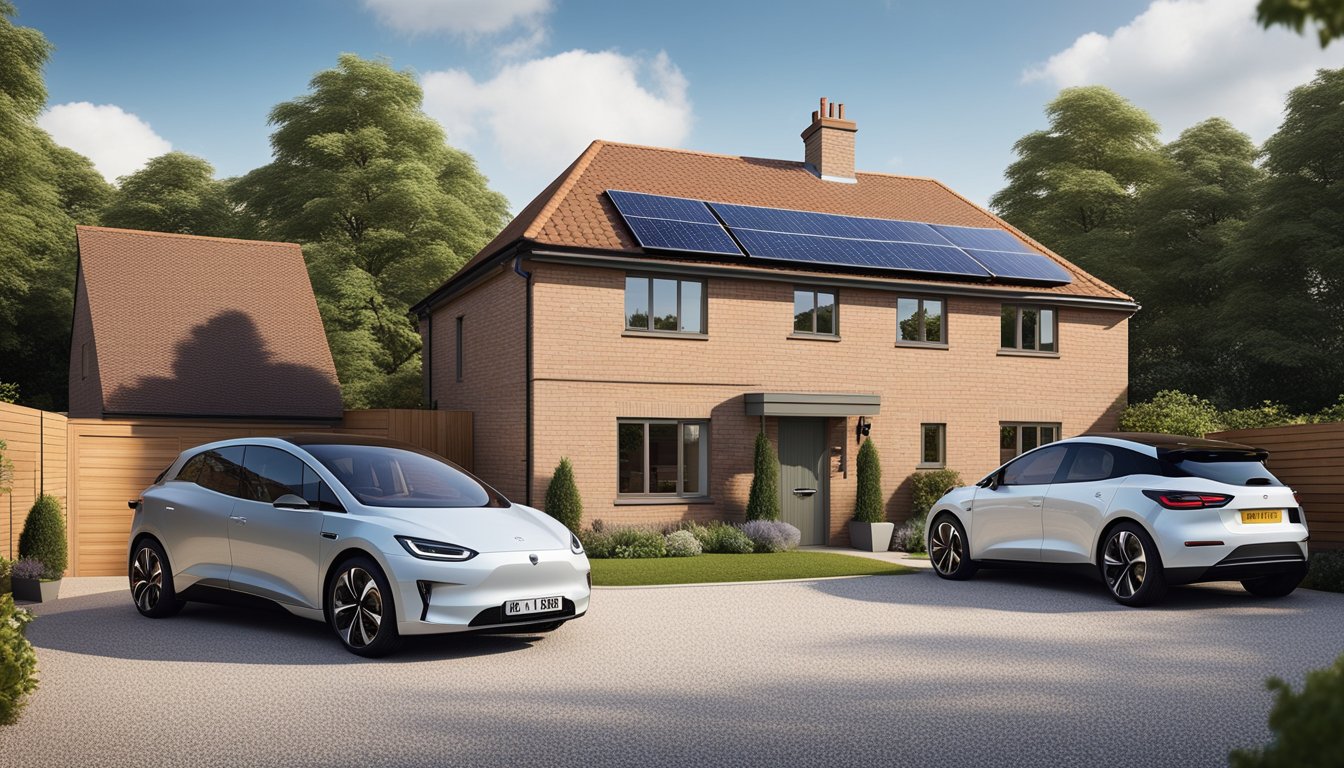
(1210, 455)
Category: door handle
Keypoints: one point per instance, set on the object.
(238, 520)
(804, 491)
(170, 509)
(1036, 502)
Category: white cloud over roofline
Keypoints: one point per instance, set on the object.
(118, 142)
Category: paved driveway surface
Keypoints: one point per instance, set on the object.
(1007, 669)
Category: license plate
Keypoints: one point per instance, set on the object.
(1262, 515)
(532, 605)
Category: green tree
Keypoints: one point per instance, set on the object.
(176, 193)
(1305, 723)
(1328, 16)
(43, 536)
(1172, 413)
(562, 497)
(1282, 313)
(385, 209)
(869, 506)
(763, 498)
(1186, 219)
(1073, 185)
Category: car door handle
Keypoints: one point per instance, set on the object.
(1036, 502)
(238, 520)
(804, 491)
(169, 509)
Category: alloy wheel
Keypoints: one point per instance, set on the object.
(146, 579)
(1125, 564)
(946, 547)
(357, 606)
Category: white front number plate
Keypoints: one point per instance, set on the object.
(533, 605)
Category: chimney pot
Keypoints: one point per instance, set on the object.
(842, 111)
(823, 106)
(815, 116)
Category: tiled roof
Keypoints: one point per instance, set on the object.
(204, 326)
(574, 212)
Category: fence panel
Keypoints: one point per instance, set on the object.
(36, 446)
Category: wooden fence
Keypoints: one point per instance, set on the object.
(109, 461)
(1309, 458)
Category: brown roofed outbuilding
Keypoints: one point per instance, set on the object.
(187, 326)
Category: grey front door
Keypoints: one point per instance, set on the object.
(802, 476)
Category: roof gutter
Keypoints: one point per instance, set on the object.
(461, 283)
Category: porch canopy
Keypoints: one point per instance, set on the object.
(811, 404)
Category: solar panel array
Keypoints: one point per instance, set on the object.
(681, 224)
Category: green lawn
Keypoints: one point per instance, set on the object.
(766, 567)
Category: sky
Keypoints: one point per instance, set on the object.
(940, 89)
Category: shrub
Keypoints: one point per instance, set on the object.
(5, 566)
(929, 487)
(28, 568)
(596, 542)
(1267, 414)
(9, 392)
(727, 540)
(1331, 413)
(6, 469)
(1305, 724)
(1327, 571)
(772, 535)
(763, 500)
(1172, 412)
(18, 661)
(634, 543)
(868, 507)
(682, 544)
(43, 536)
(562, 497)
(910, 536)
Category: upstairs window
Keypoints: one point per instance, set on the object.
(1028, 329)
(814, 312)
(920, 321)
(664, 305)
(1017, 439)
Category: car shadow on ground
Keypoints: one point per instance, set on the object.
(107, 624)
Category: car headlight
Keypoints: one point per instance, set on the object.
(435, 550)
(575, 545)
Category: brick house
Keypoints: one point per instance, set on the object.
(653, 368)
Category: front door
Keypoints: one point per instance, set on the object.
(802, 476)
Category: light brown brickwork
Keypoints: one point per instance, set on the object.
(828, 142)
(588, 374)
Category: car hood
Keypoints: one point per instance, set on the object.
(485, 529)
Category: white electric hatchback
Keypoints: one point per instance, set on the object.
(1141, 511)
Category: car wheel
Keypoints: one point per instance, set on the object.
(152, 581)
(949, 551)
(1131, 566)
(1278, 585)
(360, 608)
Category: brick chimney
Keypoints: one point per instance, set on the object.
(828, 143)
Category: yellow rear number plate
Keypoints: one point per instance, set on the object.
(1261, 515)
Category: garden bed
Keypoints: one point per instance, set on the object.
(749, 567)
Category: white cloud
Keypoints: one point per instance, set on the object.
(532, 118)
(116, 141)
(1188, 60)
(468, 18)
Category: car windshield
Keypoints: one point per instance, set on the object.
(382, 476)
(1230, 472)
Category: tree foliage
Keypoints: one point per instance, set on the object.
(1328, 16)
(1172, 413)
(1305, 723)
(175, 193)
(43, 537)
(869, 506)
(763, 499)
(385, 209)
(562, 497)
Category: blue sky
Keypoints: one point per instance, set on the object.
(937, 89)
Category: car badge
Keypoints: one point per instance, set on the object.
(533, 558)
(1266, 496)
(517, 538)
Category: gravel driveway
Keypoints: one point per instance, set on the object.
(1007, 669)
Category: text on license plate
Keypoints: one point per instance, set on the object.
(1261, 515)
(532, 605)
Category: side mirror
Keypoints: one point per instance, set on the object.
(992, 483)
(291, 501)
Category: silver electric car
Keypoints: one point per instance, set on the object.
(1140, 511)
(377, 538)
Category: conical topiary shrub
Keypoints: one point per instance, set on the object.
(562, 497)
(868, 507)
(763, 502)
(43, 537)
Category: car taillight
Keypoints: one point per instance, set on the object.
(1188, 500)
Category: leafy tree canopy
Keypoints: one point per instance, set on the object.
(1328, 15)
(176, 193)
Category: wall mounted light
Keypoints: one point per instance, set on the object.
(862, 429)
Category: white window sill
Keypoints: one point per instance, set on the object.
(666, 335)
(1026, 353)
(814, 336)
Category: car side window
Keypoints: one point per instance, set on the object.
(269, 473)
(1129, 462)
(318, 493)
(192, 469)
(221, 470)
(1036, 468)
(1090, 463)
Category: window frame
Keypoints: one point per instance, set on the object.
(649, 329)
(704, 457)
(941, 463)
(1019, 425)
(923, 328)
(834, 333)
(1018, 309)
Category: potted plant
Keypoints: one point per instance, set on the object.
(870, 530)
(42, 542)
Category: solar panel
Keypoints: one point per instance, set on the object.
(869, 254)
(982, 239)
(1031, 267)
(673, 223)
(826, 224)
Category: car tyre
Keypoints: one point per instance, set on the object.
(151, 580)
(360, 608)
(949, 549)
(1131, 566)
(1278, 585)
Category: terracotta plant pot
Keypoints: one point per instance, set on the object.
(871, 537)
(36, 590)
